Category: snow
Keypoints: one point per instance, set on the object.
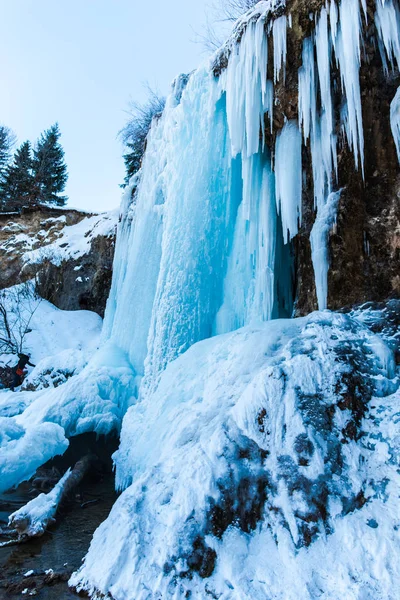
(39, 513)
(54, 330)
(248, 445)
(230, 410)
(35, 425)
(75, 240)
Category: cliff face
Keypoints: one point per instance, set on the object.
(29, 230)
(70, 253)
(83, 283)
(364, 244)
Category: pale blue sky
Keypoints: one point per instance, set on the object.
(79, 62)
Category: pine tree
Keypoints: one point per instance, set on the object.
(49, 169)
(7, 141)
(17, 184)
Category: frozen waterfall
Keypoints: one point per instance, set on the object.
(205, 247)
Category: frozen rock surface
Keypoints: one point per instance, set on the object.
(260, 452)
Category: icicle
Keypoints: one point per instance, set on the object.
(395, 120)
(307, 91)
(326, 217)
(333, 19)
(279, 32)
(364, 5)
(288, 176)
(269, 102)
(348, 55)
(324, 153)
(247, 89)
(320, 129)
(323, 61)
(387, 21)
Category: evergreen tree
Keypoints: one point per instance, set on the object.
(17, 184)
(49, 169)
(7, 141)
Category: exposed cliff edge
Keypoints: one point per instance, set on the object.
(69, 252)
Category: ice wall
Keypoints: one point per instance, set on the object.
(205, 246)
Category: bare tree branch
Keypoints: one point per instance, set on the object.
(17, 308)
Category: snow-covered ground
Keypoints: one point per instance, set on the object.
(263, 466)
(53, 331)
(35, 425)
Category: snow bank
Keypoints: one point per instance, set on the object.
(244, 468)
(58, 341)
(36, 515)
(98, 387)
(38, 423)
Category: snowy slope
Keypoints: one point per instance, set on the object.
(257, 456)
(53, 331)
(35, 425)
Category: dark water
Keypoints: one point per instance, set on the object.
(60, 549)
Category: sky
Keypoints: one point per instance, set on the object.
(79, 62)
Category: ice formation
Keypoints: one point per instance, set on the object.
(36, 425)
(204, 251)
(243, 450)
(218, 405)
(395, 121)
(326, 218)
(244, 470)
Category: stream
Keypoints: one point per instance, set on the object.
(41, 567)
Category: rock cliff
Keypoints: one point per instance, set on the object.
(69, 252)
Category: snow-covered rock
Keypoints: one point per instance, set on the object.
(261, 467)
(53, 245)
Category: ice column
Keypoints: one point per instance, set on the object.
(247, 89)
(249, 282)
(319, 238)
(395, 120)
(348, 56)
(387, 21)
(288, 177)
